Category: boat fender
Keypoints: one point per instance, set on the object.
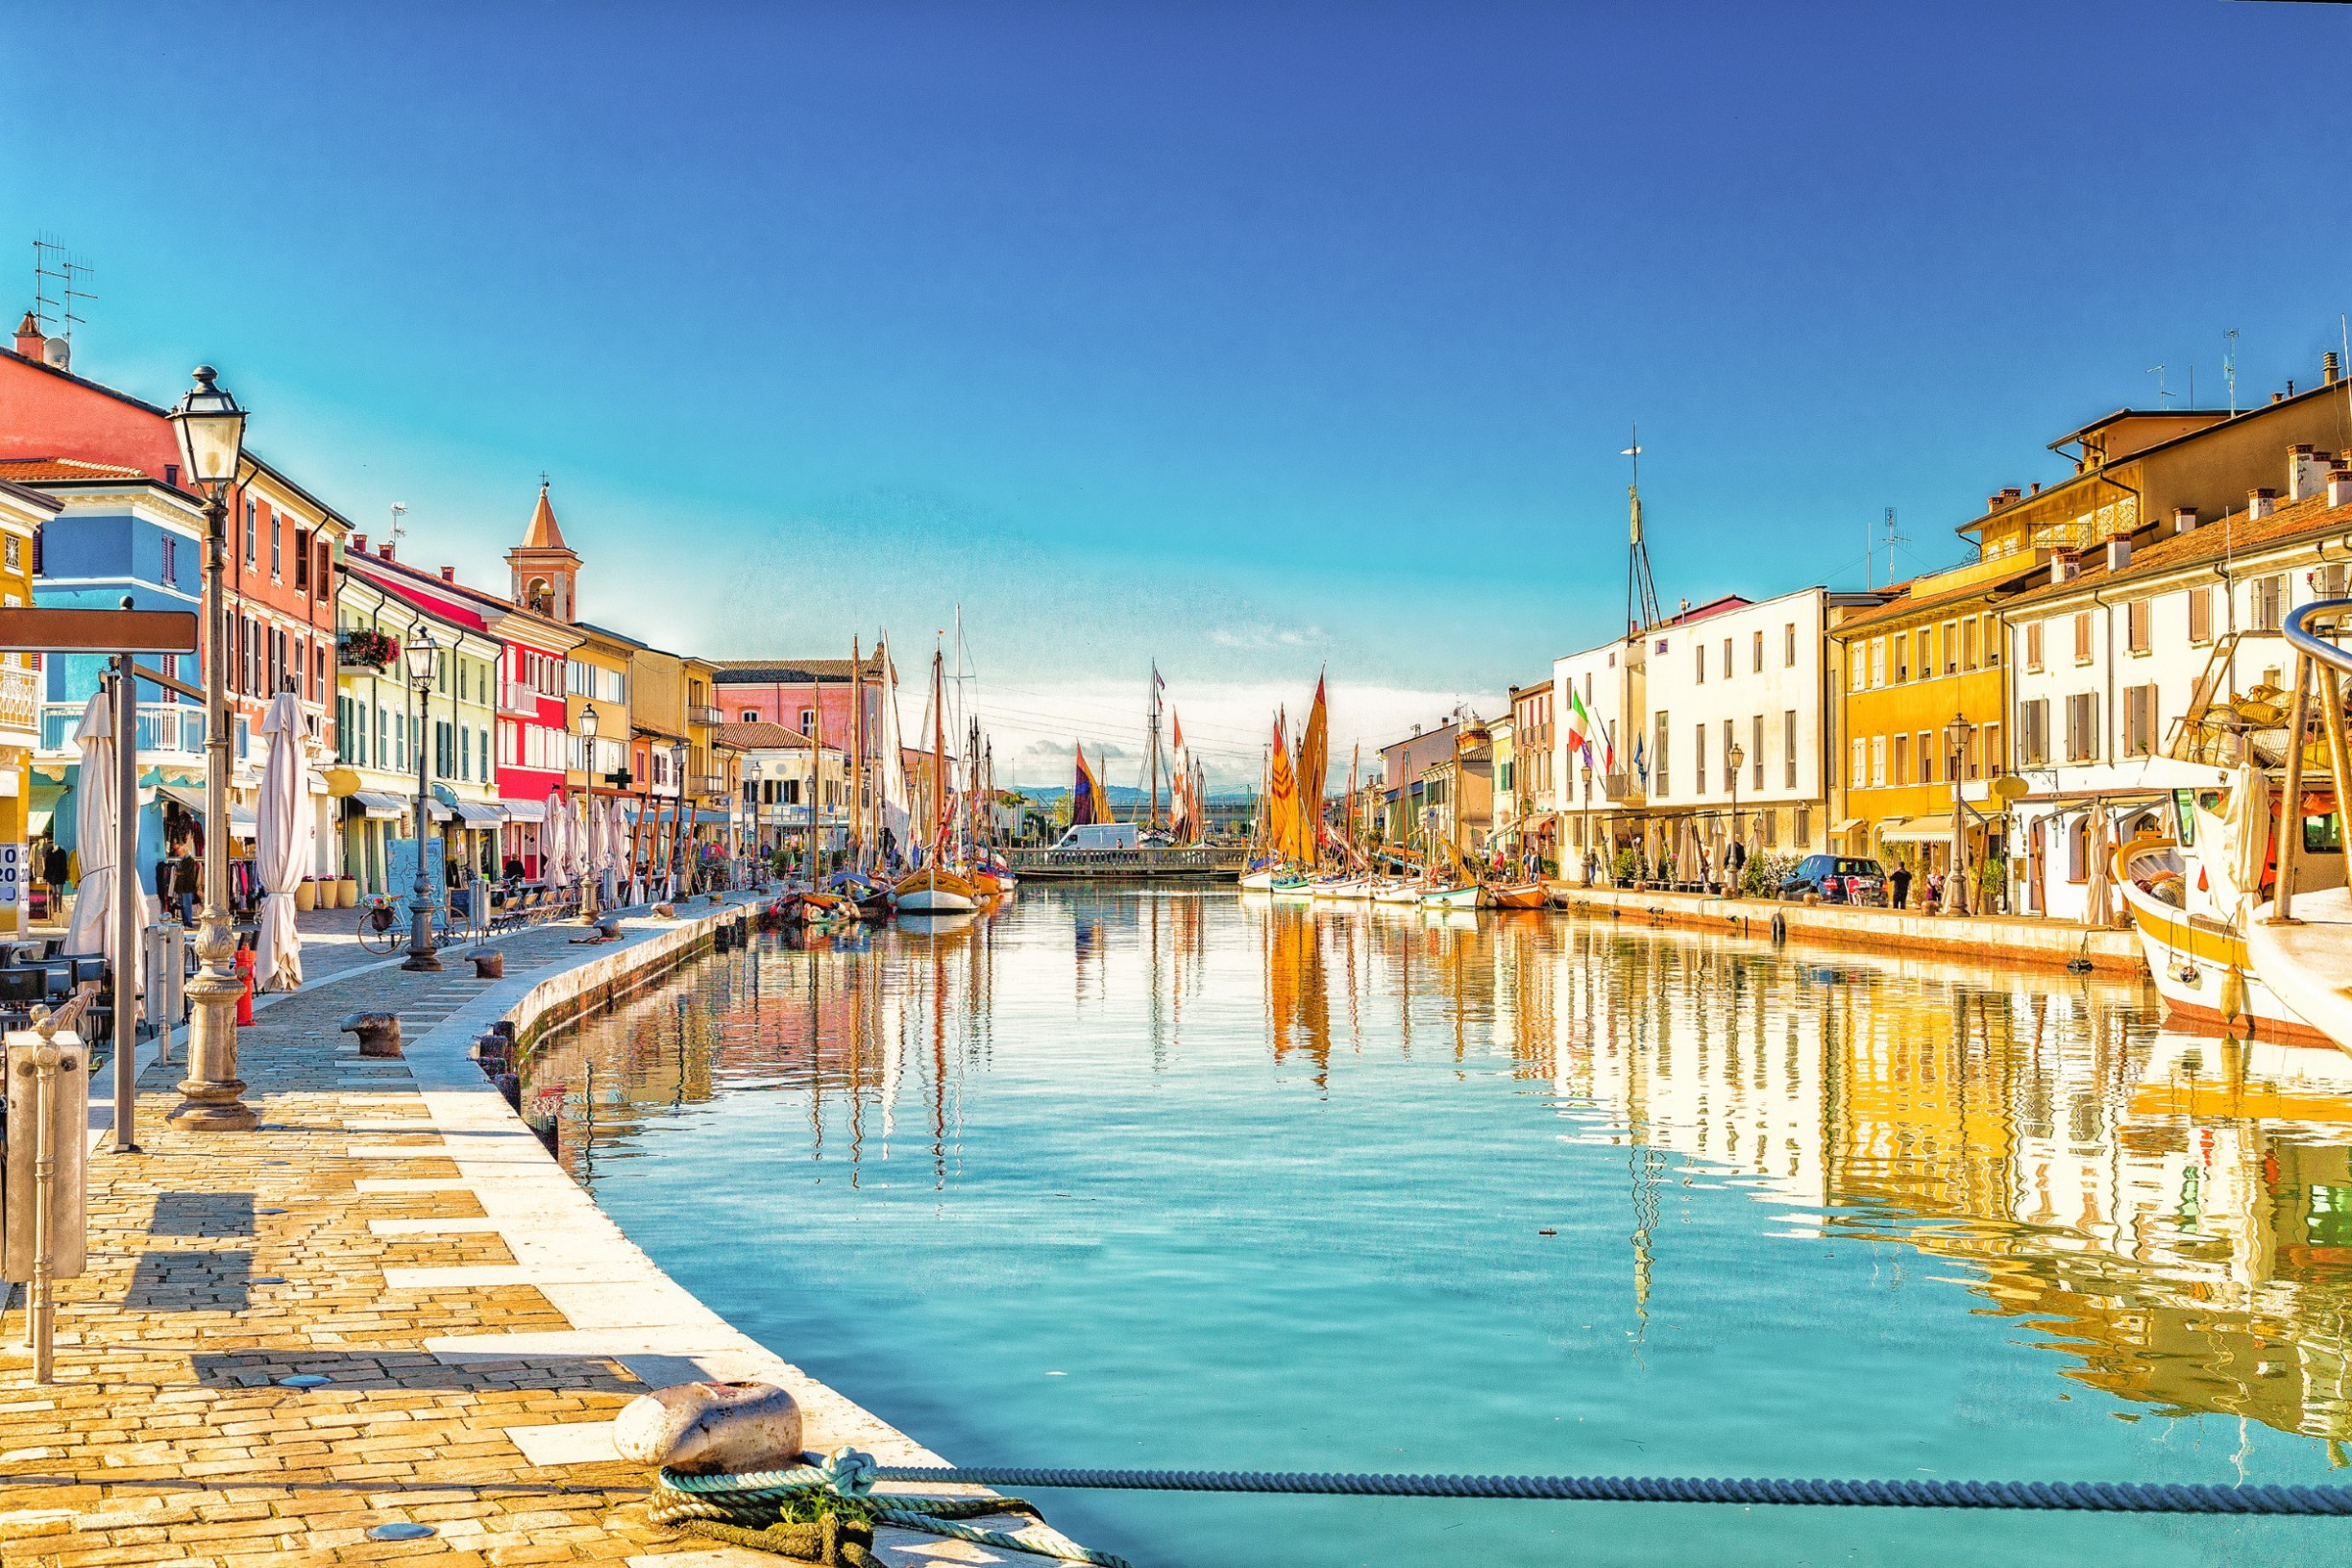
(2233, 993)
(1779, 928)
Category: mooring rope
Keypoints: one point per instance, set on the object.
(850, 1473)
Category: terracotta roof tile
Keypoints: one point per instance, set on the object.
(543, 533)
(2232, 535)
(776, 669)
(761, 737)
(41, 470)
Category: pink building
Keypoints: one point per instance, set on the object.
(792, 692)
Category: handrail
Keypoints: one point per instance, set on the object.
(2307, 641)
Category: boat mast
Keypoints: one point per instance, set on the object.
(939, 750)
(1151, 811)
(857, 755)
(815, 742)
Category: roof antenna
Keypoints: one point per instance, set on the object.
(400, 510)
(2157, 370)
(2229, 365)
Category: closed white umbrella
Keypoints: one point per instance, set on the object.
(2246, 832)
(2098, 903)
(93, 913)
(553, 870)
(576, 840)
(284, 834)
(616, 841)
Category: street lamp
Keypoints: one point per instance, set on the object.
(1738, 759)
(678, 753)
(588, 734)
(211, 431)
(419, 655)
(1957, 893)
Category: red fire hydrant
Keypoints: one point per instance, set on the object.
(244, 970)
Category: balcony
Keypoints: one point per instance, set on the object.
(706, 784)
(517, 699)
(703, 715)
(20, 704)
(163, 730)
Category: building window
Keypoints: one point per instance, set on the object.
(1926, 758)
(2082, 637)
(2140, 720)
(1857, 666)
(1900, 763)
(2082, 727)
(1657, 762)
(171, 561)
(1995, 762)
(2200, 615)
(1805, 827)
(1877, 761)
(1878, 661)
(1730, 774)
(1857, 770)
(2268, 597)
(1698, 663)
(1698, 760)
(1951, 647)
(277, 548)
(1756, 750)
(2136, 626)
(1727, 658)
(750, 716)
(1899, 656)
(2078, 849)
(1967, 644)
(1992, 641)
(302, 559)
(1925, 664)
(1788, 645)
(1788, 732)
(2033, 644)
(252, 527)
(1759, 652)
(15, 553)
(808, 721)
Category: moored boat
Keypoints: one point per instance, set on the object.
(2198, 959)
(1396, 893)
(1260, 880)
(935, 891)
(1519, 895)
(1468, 896)
(1350, 889)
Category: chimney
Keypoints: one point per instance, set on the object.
(2278, 397)
(2037, 487)
(2339, 487)
(2306, 471)
(2184, 519)
(2261, 503)
(2329, 370)
(358, 543)
(384, 551)
(2065, 569)
(448, 573)
(29, 337)
(2119, 553)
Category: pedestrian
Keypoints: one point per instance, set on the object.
(187, 881)
(1935, 891)
(1899, 885)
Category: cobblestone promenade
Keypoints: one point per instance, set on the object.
(341, 1238)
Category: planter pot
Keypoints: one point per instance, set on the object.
(347, 892)
(305, 896)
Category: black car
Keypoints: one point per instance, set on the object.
(1839, 879)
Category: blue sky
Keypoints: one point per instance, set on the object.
(1250, 337)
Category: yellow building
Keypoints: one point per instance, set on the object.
(22, 512)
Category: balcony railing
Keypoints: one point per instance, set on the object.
(168, 729)
(703, 714)
(517, 699)
(20, 700)
(706, 784)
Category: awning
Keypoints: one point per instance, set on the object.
(477, 814)
(1924, 830)
(240, 820)
(1844, 828)
(523, 811)
(375, 803)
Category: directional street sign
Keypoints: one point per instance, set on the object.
(97, 631)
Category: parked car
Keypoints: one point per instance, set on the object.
(1838, 879)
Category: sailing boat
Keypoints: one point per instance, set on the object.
(934, 889)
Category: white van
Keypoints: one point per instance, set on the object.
(1099, 836)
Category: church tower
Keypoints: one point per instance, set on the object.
(545, 570)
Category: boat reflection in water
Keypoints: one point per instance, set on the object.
(1786, 1192)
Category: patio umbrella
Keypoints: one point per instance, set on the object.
(93, 912)
(551, 867)
(284, 833)
(2099, 904)
(616, 841)
(577, 850)
(2247, 833)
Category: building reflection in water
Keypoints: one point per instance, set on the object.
(2172, 1214)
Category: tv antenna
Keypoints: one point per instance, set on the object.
(1894, 536)
(2229, 365)
(400, 510)
(55, 268)
(1641, 592)
(2157, 370)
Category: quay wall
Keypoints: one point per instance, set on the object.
(1991, 938)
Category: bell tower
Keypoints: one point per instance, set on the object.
(545, 570)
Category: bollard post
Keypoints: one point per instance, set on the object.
(43, 1234)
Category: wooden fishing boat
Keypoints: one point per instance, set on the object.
(1519, 895)
(935, 891)
(1470, 896)
(1348, 888)
(1260, 880)
(1291, 885)
(2198, 959)
(1396, 893)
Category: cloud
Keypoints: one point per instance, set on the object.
(1262, 636)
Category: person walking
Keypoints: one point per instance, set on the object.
(187, 881)
(1899, 885)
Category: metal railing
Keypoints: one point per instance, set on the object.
(19, 699)
(705, 714)
(518, 698)
(2318, 663)
(162, 728)
(1195, 860)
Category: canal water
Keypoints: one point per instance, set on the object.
(1123, 1178)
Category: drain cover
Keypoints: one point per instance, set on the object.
(402, 1531)
(267, 1279)
(305, 1380)
(269, 1211)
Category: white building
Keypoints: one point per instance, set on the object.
(1598, 791)
(1746, 680)
(2110, 659)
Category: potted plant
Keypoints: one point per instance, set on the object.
(305, 895)
(365, 650)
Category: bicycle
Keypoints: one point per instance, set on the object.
(384, 922)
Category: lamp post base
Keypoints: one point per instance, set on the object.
(214, 1108)
(211, 1095)
(427, 961)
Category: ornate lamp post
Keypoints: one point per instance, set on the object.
(588, 734)
(211, 430)
(679, 856)
(1956, 889)
(1738, 759)
(420, 655)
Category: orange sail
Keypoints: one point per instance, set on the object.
(1314, 745)
(1282, 799)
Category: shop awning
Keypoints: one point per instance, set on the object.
(1923, 830)
(477, 814)
(523, 811)
(1844, 828)
(375, 803)
(240, 820)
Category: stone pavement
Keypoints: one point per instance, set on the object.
(392, 1227)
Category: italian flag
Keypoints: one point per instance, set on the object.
(1581, 732)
